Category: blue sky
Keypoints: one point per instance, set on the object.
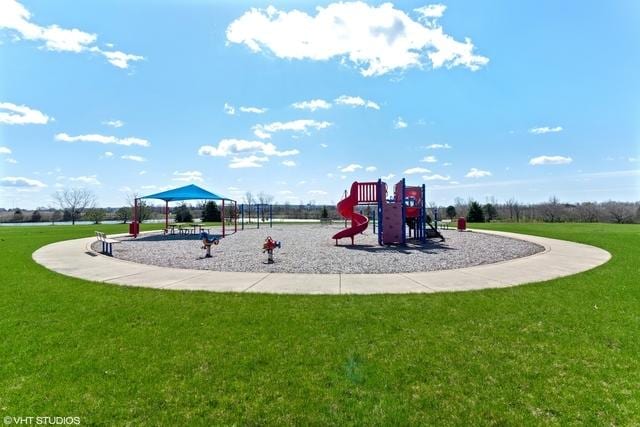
(475, 99)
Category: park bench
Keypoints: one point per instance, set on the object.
(445, 223)
(107, 244)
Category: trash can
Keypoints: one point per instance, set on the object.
(134, 228)
(462, 224)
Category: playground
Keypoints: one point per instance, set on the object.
(309, 249)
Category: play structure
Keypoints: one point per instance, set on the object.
(401, 216)
(207, 241)
(268, 246)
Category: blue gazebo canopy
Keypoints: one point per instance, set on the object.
(188, 192)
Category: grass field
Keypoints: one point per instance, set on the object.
(565, 351)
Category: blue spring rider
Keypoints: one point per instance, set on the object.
(207, 241)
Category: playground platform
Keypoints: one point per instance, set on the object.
(560, 258)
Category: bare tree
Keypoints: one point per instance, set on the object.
(551, 210)
(264, 199)
(144, 210)
(248, 200)
(75, 200)
(620, 213)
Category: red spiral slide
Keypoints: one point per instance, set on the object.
(359, 223)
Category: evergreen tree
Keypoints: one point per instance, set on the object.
(490, 212)
(183, 214)
(475, 213)
(210, 212)
(451, 212)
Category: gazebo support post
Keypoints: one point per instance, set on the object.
(166, 216)
(235, 216)
(222, 217)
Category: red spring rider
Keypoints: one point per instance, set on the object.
(268, 247)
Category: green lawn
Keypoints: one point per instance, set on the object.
(561, 352)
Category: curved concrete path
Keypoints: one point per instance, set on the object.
(560, 258)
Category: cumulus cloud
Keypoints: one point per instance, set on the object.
(375, 39)
(477, 173)
(12, 114)
(134, 158)
(188, 176)
(21, 182)
(350, 168)
(289, 163)
(429, 159)
(399, 123)
(545, 129)
(11, 160)
(412, 171)
(550, 160)
(252, 161)
(371, 169)
(324, 145)
(264, 131)
(227, 147)
(108, 154)
(431, 11)
(387, 177)
(5, 150)
(436, 177)
(253, 110)
(229, 109)
(356, 101)
(102, 139)
(17, 19)
(91, 179)
(312, 105)
(114, 123)
(438, 146)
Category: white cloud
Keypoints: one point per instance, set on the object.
(429, 159)
(102, 139)
(399, 123)
(114, 123)
(248, 162)
(438, 146)
(436, 177)
(371, 169)
(142, 173)
(5, 150)
(412, 171)
(312, 105)
(12, 114)
(15, 17)
(289, 163)
(229, 109)
(631, 159)
(21, 182)
(188, 176)
(324, 145)
(304, 125)
(108, 154)
(11, 160)
(387, 177)
(447, 164)
(285, 192)
(375, 39)
(253, 110)
(356, 101)
(477, 173)
(91, 179)
(545, 129)
(134, 158)
(350, 168)
(232, 146)
(550, 160)
(317, 192)
(431, 11)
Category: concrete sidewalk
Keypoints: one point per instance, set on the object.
(560, 258)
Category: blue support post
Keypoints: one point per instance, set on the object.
(270, 216)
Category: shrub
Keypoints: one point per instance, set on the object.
(475, 213)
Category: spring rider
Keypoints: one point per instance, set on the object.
(268, 247)
(207, 241)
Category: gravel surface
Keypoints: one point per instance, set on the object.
(310, 249)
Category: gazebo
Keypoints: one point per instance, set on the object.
(188, 192)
